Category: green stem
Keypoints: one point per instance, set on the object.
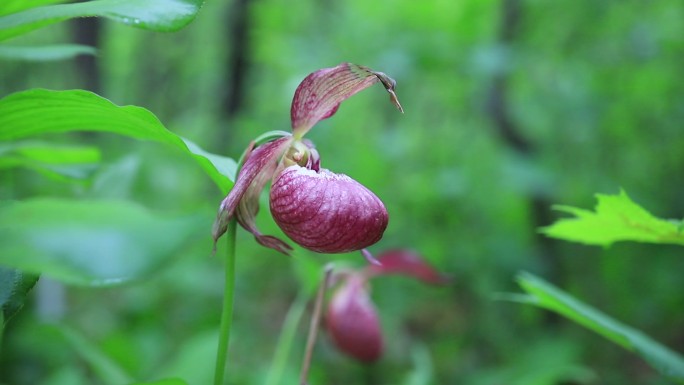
(287, 336)
(227, 311)
(2, 327)
(313, 328)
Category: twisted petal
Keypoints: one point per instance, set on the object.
(352, 321)
(408, 263)
(326, 212)
(243, 199)
(319, 95)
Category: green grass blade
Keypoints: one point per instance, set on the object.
(547, 296)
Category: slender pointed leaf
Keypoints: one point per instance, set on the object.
(38, 111)
(547, 296)
(91, 242)
(155, 15)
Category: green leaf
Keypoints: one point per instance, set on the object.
(91, 242)
(45, 53)
(617, 218)
(287, 336)
(545, 295)
(35, 112)
(155, 15)
(14, 286)
(50, 159)
(12, 6)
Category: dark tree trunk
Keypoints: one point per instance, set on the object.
(498, 108)
(86, 31)
(236, 66)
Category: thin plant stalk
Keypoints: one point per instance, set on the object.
(313, 328)
(2, 328)
(227, 310)
(287, 336)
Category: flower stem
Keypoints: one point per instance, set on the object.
(313, 328)
(227, 310)
(287, 336)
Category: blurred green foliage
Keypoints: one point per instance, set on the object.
(511, 106)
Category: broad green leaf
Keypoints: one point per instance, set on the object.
(617, 218)
(155, 15)
(107, 369)
(38, 111)
(91, 242)
(45, 53)
(50, 159)
(12, 6)
(14, 286)
(545, 295)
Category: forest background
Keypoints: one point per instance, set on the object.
(511, 106)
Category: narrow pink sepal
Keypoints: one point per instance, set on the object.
(352, 321)
(319, 95)
(368, 256)
(408, 263)
(243, 199)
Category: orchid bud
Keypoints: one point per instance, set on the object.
(352, 321)
(326, 212)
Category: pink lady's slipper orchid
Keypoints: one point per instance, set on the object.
(315, 207)
(351, 318)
